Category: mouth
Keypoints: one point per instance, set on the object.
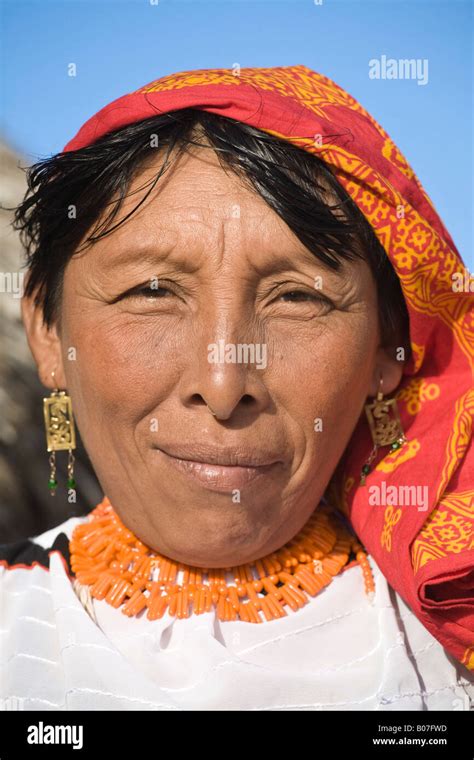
(220, 469)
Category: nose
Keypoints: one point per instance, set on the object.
(228, 390)
(224, 376)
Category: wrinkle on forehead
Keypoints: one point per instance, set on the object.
(196, 194)
(191, 210)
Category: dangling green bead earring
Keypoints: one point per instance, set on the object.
(52, 483)
(366, 468)
(71, 483)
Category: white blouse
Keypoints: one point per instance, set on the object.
(339, 652)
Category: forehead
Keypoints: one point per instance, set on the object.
(197, 202)
(196, 186)
(199, 215)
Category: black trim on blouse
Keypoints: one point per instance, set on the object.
(28, 553)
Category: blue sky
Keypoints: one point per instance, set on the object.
(118, 45)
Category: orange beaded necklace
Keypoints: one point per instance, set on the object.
(119, 568)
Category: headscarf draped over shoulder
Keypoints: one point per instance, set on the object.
(426, 554)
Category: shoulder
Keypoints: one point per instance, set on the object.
(35, 552)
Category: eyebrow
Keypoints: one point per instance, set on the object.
(148, 254)
(287, 262)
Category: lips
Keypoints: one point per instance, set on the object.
(220, 469)
(224, 456)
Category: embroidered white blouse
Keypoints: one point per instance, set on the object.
(339, 652)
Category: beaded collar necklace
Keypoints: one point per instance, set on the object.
(117, 567)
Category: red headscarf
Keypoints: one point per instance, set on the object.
(425, 555)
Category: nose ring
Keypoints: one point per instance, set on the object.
(213, 413)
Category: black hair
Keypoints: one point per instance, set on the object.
(95, 180)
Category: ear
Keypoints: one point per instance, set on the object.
(390, 368)
(44, 343)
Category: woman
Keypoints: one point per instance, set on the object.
(232, 276)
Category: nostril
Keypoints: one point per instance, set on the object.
(196, 398)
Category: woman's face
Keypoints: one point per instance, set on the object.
(205, 262)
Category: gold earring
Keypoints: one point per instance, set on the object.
(385, 427)
(60, 434)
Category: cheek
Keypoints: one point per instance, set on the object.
(322, 378)
(122, 368)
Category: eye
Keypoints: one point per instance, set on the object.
(146, 291)
(302, 296)
(298, 295)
